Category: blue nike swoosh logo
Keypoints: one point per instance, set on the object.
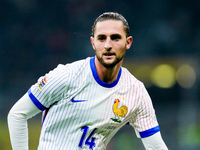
(76, 101)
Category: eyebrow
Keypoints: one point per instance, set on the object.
(100, 35)
(116, 35)
(112, 35)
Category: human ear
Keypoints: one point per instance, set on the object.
(92, 41)
(129, 41)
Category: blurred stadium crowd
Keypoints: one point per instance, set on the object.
(36, 35)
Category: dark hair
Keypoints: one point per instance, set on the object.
(111, 16)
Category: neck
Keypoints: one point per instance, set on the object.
(107, 75)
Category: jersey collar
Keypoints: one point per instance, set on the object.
(98, 80)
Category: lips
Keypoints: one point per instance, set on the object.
(108, 54)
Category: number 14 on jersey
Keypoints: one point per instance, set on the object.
(90, 141)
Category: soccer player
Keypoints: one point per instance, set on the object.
(86, 102)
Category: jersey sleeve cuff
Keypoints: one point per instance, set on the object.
(35, 101)
(149, 132)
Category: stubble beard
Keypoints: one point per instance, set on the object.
(111, 64)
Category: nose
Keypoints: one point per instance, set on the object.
(108, 44)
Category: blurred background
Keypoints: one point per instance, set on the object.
(37, 35)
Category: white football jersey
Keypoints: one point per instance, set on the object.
(82, 112)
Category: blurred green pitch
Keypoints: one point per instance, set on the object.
(34, 126)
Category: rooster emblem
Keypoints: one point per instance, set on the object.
(119, 112)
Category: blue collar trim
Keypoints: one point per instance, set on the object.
(98, 80)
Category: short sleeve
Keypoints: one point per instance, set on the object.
(49, 88)
(145, 121)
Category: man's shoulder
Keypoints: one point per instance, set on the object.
(78, 63)
(72, 68)
(75, 65)
(130, 77)
(78, 67)
(127, 73)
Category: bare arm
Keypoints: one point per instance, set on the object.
(154, 142)
(17, 122)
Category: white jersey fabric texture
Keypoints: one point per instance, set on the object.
(82, 112)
